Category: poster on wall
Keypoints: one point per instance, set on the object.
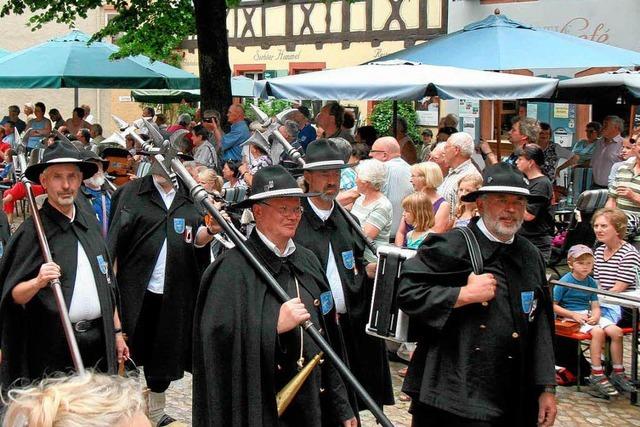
(427, 118)
(532, 111)
(561, 111)
(469, 108)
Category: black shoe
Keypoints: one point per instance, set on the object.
(165, 421)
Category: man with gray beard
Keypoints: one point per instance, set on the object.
(485, 351)
(325, 231)
(97, 200)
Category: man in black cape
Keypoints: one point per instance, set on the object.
(326, 232)
(33, 340)
(247, 345)
(155, 235)
(485, 357)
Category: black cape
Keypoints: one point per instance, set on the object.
(240, 362)
(453, 367)
(367, 354)
(5, 232)
(139, 225)
(33, 340)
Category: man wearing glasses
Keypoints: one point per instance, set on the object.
(247, 345)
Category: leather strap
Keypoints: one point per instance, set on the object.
(474, 249)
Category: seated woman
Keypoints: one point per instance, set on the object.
(616, 260)
(90, 400)
(372, 209)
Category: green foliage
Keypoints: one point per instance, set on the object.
(382, 116)
(271, 107)
(152, 28)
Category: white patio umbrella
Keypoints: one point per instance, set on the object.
(402, 80)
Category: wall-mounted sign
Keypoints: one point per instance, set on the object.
(469, 108)
(427, 118)
(124, 98)
(561, 111)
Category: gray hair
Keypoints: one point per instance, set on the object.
(372, 171)
(614, 120)
(344, 146)
(464, 142)
(530, 128)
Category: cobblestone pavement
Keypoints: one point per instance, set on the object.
(575, 409)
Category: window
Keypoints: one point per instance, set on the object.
(252, 71)
(306, 67)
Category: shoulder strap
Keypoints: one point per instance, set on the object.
(474, 249)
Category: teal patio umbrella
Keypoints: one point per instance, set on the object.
(69, 62)
(241, 86)
(500, 43)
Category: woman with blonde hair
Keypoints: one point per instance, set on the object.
(90, 400)
(616, 261)
(426, 177)
(615, 269)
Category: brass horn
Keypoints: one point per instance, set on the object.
(289, 391)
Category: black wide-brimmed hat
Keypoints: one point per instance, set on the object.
(322, 154)
(89, 156)
(114, 151)
(60, 153)
(272, 182)
(502, 178)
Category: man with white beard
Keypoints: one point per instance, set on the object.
(98, 198)
(485, 354)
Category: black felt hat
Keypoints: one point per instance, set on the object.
(502, 178)
(272, 182)
(322, 154)
(89, 155)
(60, 153)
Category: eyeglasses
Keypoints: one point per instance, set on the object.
(377, 151)
(590, 130)
(285, 211)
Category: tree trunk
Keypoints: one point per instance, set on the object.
(213, 55)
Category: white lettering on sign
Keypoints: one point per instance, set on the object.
(276, 55)
(583, 28)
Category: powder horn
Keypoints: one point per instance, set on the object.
(289, 391)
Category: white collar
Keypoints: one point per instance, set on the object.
(291, 247)
(73, 213)
(487, 233)
(324, 214)
(160, 189)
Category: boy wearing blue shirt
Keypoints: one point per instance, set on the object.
(584, 308)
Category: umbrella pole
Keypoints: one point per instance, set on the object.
(76, 97)
(632, 118)
(497, 126)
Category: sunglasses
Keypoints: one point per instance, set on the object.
(208, 119)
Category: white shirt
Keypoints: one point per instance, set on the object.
(333, 276)
(482, 226)
(397, 187)
(85, 303)
(291, 247)
(156, 282)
